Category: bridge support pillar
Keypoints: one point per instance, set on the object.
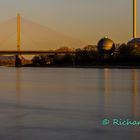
(17, 61)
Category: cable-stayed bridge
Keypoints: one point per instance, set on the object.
(32, 36)
(30, 52)
(20, 36)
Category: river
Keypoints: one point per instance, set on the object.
(68, 103)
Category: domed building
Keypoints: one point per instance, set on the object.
(106, 46)
(134, 42)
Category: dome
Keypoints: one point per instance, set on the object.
(134, 42)
(106, 45)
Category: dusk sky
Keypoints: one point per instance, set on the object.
(87, 20)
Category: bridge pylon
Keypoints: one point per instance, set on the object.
(17, 57)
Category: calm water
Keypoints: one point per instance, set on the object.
(68, 104)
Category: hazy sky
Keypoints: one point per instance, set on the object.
(87, 20)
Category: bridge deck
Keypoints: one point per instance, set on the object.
(30, 52)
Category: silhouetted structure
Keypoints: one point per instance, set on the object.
(18, 61)
(106, 47)
(135, 42)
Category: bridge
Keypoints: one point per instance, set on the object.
(30, 52)
(18, 52)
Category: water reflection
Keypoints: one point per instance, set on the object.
(107, 90)
(104, 88)
(106, 80)
(134, 93)
(18, 86)
(134, 101)
(110, 87)
(18, 105)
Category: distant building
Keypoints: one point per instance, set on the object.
(134, 42)
(106, 46)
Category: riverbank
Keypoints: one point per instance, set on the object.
(95, 66)
(87, 66)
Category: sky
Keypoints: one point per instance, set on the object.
(87, 20)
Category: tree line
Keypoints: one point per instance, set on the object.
(90, 56)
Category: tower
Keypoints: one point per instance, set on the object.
(18, 32)
(17, 58)
(135, 42)
(134, 19)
